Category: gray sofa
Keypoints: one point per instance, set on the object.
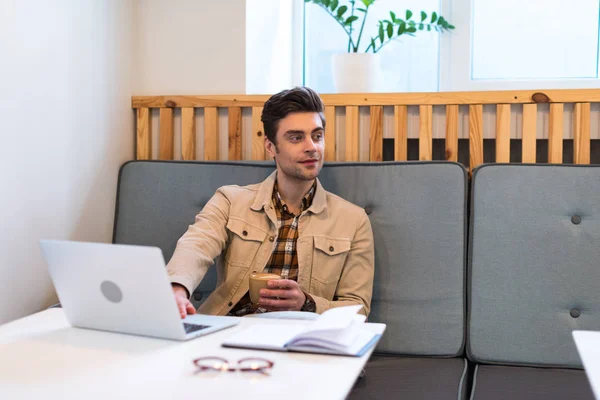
(479, 292)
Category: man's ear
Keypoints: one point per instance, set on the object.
(270, 148)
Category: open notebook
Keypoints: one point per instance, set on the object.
(339, 331)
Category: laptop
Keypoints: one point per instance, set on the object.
(121, 288)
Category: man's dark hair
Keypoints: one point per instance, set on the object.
(298, 99)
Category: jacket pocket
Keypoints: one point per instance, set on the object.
(328, 260)
(244, 242)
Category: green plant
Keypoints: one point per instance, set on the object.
(388, 29)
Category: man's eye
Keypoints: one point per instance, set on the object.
(295, 138)
(318, 136)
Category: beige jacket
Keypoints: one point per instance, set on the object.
(238, 225)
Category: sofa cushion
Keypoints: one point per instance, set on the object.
(492, 382)
(158, 200)
(534, 251)
(394, 377)
(418, 215)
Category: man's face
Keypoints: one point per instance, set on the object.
(300, 146)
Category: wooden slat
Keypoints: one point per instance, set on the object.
(234, 126)
(503, 133)
(376, 134)
(188, 134)
(555, 134)
(452, 133)
(166, 136)
(352, 145)
(425, 133)
(475, 136)
(529, 133)
(258, 135)
(143, 135)
(211, 134)
(581, 133)
(330, 140)
(400, 133)
(382, 99)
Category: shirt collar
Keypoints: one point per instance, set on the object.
(265, 193)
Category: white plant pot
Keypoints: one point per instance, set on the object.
(356, 72)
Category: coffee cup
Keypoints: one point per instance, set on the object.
(259, 281)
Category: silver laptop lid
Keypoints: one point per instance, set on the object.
(119, 288)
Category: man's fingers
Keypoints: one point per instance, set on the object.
(273, 293)
(182, 312)
(275, 304)
(190, 308)
(184, 306)
(282, 284)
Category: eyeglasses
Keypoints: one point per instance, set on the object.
(251, 364)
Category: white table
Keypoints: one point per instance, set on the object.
(588, 346)
(42, 355)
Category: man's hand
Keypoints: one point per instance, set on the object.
(282, 295)
(181, 297)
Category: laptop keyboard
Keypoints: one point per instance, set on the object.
(189, 328)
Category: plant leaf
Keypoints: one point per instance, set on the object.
(341, 11)
(401, 28)
(433, 17)
(381, 32)
(393, 16)
(361, 9)
(450, 26)
(390, 30)
(350, 20)
(367, 3)
(420, 27)
(423, 16)
(411, 29)
(326, 2)
(408, 14)
(373, 44)
(428, 28)
(334, 5)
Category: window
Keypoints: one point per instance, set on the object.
(508, 44)
(515, 44)
(408, 64)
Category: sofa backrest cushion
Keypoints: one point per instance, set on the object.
(417, 212)
(534, 262)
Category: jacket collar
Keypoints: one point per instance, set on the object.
(265, 193)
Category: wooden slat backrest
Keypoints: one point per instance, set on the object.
(376, 134)
(188, 134)
(581, 133)
(143, 135)
(400, 133)
(529, 133)
(452, 132)
(330, 139)
(475, 135)
(402, 124)
(211, 134)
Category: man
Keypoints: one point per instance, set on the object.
(288, 225)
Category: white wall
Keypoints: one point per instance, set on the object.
(66, 127)
(189, 47)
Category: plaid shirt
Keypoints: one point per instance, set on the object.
(284, 259)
